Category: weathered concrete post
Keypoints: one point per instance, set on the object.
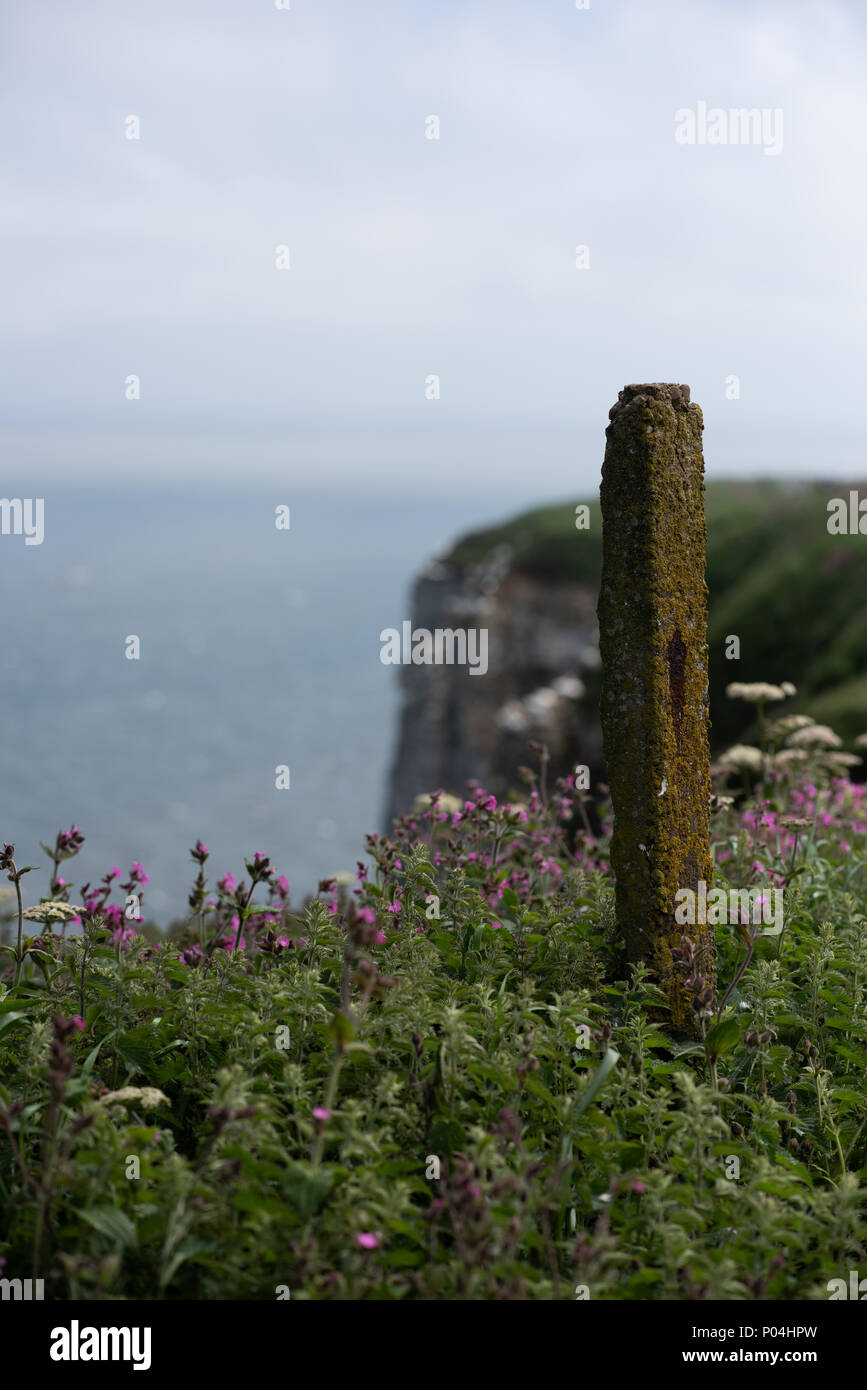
(654, 703)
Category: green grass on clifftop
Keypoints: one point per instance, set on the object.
(795, 595)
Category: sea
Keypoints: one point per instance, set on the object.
(258, 649)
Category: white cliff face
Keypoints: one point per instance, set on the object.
(540, 683)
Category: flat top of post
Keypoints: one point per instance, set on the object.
(677, 395)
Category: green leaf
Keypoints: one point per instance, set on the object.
(647, 1276)
(180, 974)
(136, 1046)
(445, 1136)
(306, 1188)
(340, 1030)
(6, 1019)
(597, 1081)
(87, 1065)
(722, 1037)
(403, 1228)
(112, 1223)
(257, 1201)
(632, 1156)
(407, 1259)
(187, 1250)
(535, 1088)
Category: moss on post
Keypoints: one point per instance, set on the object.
(654, 703)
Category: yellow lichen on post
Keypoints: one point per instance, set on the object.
(654, 702)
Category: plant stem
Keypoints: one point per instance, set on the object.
(746, 960)
(19, 958)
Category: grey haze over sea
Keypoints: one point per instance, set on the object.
(258, 647)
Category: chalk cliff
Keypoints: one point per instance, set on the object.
(541, 683)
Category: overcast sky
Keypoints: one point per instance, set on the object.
(409, 256)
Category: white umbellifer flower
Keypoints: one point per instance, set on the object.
(835, 759)
(147, 1096)
(52, 912)
(447, 802)
(513, 716)
(755, 693)
(790, 755)
(818, 735)
(787, 724)
(861, 741)
(742, 756)
(570, 687)
(787, 688)
(541, 704)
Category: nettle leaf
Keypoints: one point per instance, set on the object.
(847, 1095)
(446, 1136)
(180, 974)
(137, 1046)
(631, 1156)
(306, 1188)
(535, 1088)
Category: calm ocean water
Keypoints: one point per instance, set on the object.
(258, 647)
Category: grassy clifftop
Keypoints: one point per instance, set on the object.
(794, 595)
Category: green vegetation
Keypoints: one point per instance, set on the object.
(794, 594)
(446, 1084)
